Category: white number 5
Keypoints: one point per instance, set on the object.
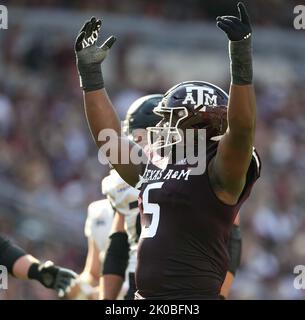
(151, 208)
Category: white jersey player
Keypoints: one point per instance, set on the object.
(124, 199)
(98, 224)
(97, 229)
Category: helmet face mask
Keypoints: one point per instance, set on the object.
(189, 105)
(167, 130)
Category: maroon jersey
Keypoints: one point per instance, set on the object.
(182, 252)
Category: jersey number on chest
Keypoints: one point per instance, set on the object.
(152, 209)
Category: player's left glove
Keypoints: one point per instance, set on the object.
(236, 28)
(53, 277)
(89, 56)
(239, 32)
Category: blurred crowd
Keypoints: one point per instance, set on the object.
(273, 220)
(49, 171)
(271, 12)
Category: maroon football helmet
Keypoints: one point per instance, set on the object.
(191, 105)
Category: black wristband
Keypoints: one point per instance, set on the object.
(241, 61)
(33, 272)
(9, 254)
(234, 248)
(117, 255)
(91, 77)
(39, 273)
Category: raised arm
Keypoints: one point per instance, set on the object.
(99, 110)
(229, 168)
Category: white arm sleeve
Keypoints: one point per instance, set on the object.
(99, 221)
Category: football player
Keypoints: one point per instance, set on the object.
(24, 266)
(97, 230)
(186, 218)
(124, 199)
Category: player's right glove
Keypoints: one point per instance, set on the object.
(53, 277)
(89, 56)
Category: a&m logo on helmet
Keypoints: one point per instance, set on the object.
(200, 97)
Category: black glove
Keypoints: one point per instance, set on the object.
(236, 28)
(89, 56)
(239, 32)
(52, 277)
